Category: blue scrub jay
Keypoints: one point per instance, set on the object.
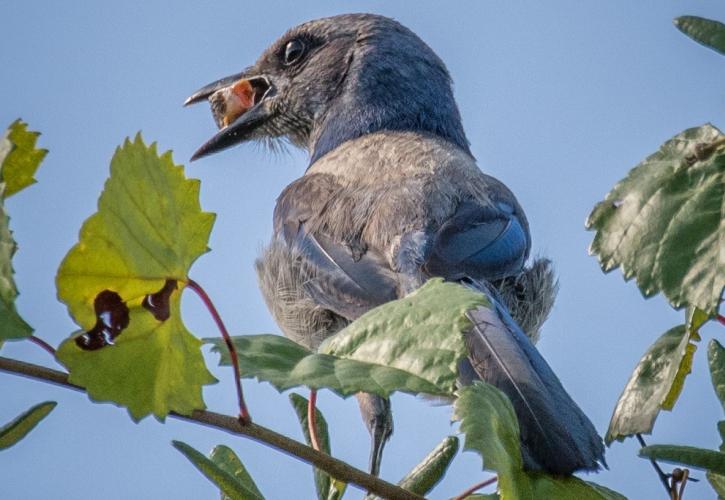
(392, 197)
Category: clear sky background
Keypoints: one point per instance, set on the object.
(559, 99)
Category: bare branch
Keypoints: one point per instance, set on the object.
(334, 467)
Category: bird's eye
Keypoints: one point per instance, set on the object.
(293, 51)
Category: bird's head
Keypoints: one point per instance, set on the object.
(331, 80)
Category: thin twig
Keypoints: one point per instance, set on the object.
(43, 344)
(334, 467)
(470, 491)
(243, 411)
(312, 419)
(660, 472)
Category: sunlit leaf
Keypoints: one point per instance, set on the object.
(228, 461)
(19, 158)
(285, 364)
(421, 333)
(322, 479)
(20, 426)
(686, 455)
(149, 228)
(663, 225)
(227, 482)
(122, 284)
(654, 384)
(707, 32)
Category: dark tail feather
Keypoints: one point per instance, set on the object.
(556, 436)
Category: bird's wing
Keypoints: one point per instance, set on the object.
(480, 242)
(343, 284)
(347, 282)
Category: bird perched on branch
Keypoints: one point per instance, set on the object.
(392, 197)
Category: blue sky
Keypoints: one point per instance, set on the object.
(559, 99)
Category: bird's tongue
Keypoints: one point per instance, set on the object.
(231, 102)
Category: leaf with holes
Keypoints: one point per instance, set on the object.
(707, 32)
(654, 385)
(285, 364)
(663, 223)
(231, 481)
(20, 426)
(19, 159)
(122, 284)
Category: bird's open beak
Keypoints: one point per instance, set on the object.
(240, 105)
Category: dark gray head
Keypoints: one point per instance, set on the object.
(331, 80)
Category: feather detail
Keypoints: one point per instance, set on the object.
(556, 435)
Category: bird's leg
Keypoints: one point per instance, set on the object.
(378, 418)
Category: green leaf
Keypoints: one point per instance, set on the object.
(662, 223)
(491, 428)
(285, 364)
(569, 488)
(19, 158)
(424, 476)
(16, 430)
(12, 326)
(489, 423)
(717, 482)
(228, 483)
(686, 455)
(654, 385)
(322, 479)
(122, 284)
(228, 461)
(421, 333)
(707, 32)
(716, 360)
(695, 319)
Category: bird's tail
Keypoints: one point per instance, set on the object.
(556, 436)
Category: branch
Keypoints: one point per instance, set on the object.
(334, 467)
(660, 473)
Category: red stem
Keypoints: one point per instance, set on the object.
(312, 420)
(721, 319)
(244, 416)
(470, 491)
(43, 344)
